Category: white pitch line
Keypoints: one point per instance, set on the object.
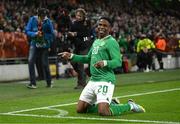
(68, 104)
(153, 92)
(139, 94)
(98, 119)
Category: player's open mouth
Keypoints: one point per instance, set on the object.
(101, 31)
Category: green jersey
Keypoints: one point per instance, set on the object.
(102, 49)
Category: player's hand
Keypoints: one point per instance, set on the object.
(99, 64)
(65, 55)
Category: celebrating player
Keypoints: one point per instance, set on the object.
(103, 57)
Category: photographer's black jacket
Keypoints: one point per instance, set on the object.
(83, 39)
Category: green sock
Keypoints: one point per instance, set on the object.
(118, 109)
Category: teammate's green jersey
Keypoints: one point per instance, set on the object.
(102, 49)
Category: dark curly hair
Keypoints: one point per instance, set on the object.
(107, 19)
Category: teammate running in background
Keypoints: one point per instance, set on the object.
(103, 57)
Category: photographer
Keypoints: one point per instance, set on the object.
(79, 35)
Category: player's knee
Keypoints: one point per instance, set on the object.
(82, 107)
(80, 110)
(103, 109)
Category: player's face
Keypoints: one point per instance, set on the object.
(103, 28)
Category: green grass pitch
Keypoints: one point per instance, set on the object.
(158, 92)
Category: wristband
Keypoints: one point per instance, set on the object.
(71, 56)
(105, 62)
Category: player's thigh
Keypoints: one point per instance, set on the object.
(87, 95)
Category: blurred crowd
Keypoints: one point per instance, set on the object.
(131, 19)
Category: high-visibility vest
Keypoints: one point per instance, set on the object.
(145, 43)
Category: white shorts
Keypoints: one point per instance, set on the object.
(97, 92)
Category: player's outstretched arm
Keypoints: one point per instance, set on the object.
(74, 57)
